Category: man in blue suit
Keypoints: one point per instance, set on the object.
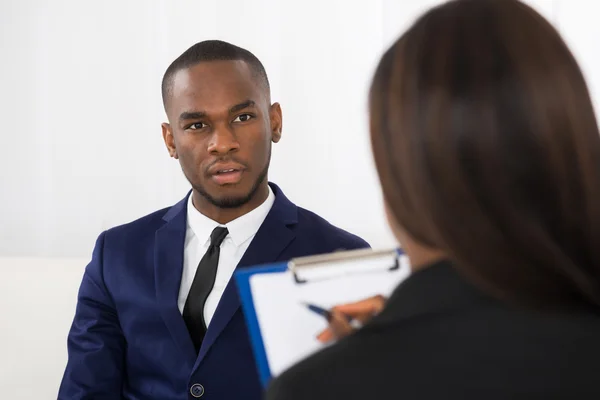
(158, 316)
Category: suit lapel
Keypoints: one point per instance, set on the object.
(269, 243)
(168, 267)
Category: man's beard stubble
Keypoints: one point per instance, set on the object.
(235, 202)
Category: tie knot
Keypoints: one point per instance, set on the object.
(218, 235)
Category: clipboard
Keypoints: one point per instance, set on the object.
(282, 330)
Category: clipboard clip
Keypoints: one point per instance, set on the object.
(349, 262)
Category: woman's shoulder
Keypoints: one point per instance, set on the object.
(343, 370)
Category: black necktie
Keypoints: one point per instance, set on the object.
(193, 312)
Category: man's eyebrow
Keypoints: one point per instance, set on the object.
(241, 106)
(186, 115)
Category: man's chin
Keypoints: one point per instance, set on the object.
(230, 196)
(230, 202)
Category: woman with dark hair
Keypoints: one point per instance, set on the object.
(488, 151)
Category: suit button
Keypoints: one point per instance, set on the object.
(197, 390)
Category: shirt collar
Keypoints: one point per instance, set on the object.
(240, 229)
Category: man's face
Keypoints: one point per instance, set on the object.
(221, 126)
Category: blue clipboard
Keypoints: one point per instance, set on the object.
(242, 278)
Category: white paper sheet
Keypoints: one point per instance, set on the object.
(288, 328)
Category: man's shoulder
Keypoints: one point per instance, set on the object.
(140, 227)
(317, 227)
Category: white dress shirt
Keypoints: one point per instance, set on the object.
(197, 240)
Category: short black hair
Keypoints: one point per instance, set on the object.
(213, 50)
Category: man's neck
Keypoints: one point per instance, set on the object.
(226, 215)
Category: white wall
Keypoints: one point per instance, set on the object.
(81, 106)
(81, 112)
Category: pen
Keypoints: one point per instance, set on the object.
(323, 312)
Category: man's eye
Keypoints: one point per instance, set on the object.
(243, 118)
(197, 125)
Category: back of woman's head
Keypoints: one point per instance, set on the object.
(487, 147)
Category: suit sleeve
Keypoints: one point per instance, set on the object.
(96, 345)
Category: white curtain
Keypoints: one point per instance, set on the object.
(81, 107)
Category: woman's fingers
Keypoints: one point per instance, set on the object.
(325, 336)
(339, 326)
(362, 311)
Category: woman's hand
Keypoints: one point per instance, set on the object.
(361, 311)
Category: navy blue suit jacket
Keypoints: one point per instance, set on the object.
(128, 339)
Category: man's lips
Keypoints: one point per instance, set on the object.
(224, 174)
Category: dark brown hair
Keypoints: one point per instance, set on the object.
(487, 147)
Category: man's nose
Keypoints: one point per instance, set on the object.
(223, 141)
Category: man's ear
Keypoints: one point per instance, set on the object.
(167, 134)
(276, 122)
